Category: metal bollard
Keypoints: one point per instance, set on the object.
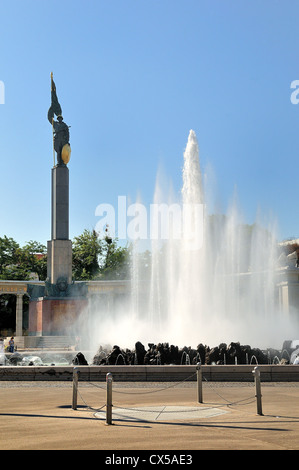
(257, 378)
(109, 380)
(199, 383)
(75, 387)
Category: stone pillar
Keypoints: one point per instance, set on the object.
(19, 315)
(59, 260)
(288, 290)
(111, 300)
(60, 203)
(60, 247)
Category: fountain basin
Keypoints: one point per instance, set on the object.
(231, 373)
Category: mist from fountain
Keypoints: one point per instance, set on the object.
(212, 281)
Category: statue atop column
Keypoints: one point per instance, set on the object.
(61, 135)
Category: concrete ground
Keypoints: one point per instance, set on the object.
(148, 416)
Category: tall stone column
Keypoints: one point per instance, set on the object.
(60, 203)
(19, 315)
(60, 247)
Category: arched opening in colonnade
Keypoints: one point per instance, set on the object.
(14, 313)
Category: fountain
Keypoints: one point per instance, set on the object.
(212, 281)
(37, 358)
(186, 357)
(253, 358)
(287, 353)
(122, 360)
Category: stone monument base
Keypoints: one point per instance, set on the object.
(59, 260)
(57, 316)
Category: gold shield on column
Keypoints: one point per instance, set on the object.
(66, 153)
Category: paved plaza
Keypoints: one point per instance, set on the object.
(148, 416)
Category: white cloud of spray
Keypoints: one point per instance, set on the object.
(223, 291)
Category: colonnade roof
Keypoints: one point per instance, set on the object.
(20, 287)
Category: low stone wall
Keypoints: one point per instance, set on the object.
(242, 373)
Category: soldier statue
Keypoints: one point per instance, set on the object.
(61, 135)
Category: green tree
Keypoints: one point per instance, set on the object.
(115, 260)
(18, 263)
(34, 255)
(93, 258)
(96, 257)
(87, 249)
(8, 250)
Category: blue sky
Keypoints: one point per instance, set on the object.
(133, 77)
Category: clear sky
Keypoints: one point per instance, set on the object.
(133, 77)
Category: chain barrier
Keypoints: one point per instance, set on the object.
(108, 405)
(155, 391)
(252, 398)
(88, 406)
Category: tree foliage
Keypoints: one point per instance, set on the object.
(97, 257)
(94, 257)
(19, 263)
(114, 262)
(87, 249)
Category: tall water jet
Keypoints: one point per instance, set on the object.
(192, 190)
(210, 278)
(215, 280)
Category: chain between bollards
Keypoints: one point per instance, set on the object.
(199, 382)
(257, 378)
(109, 380)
